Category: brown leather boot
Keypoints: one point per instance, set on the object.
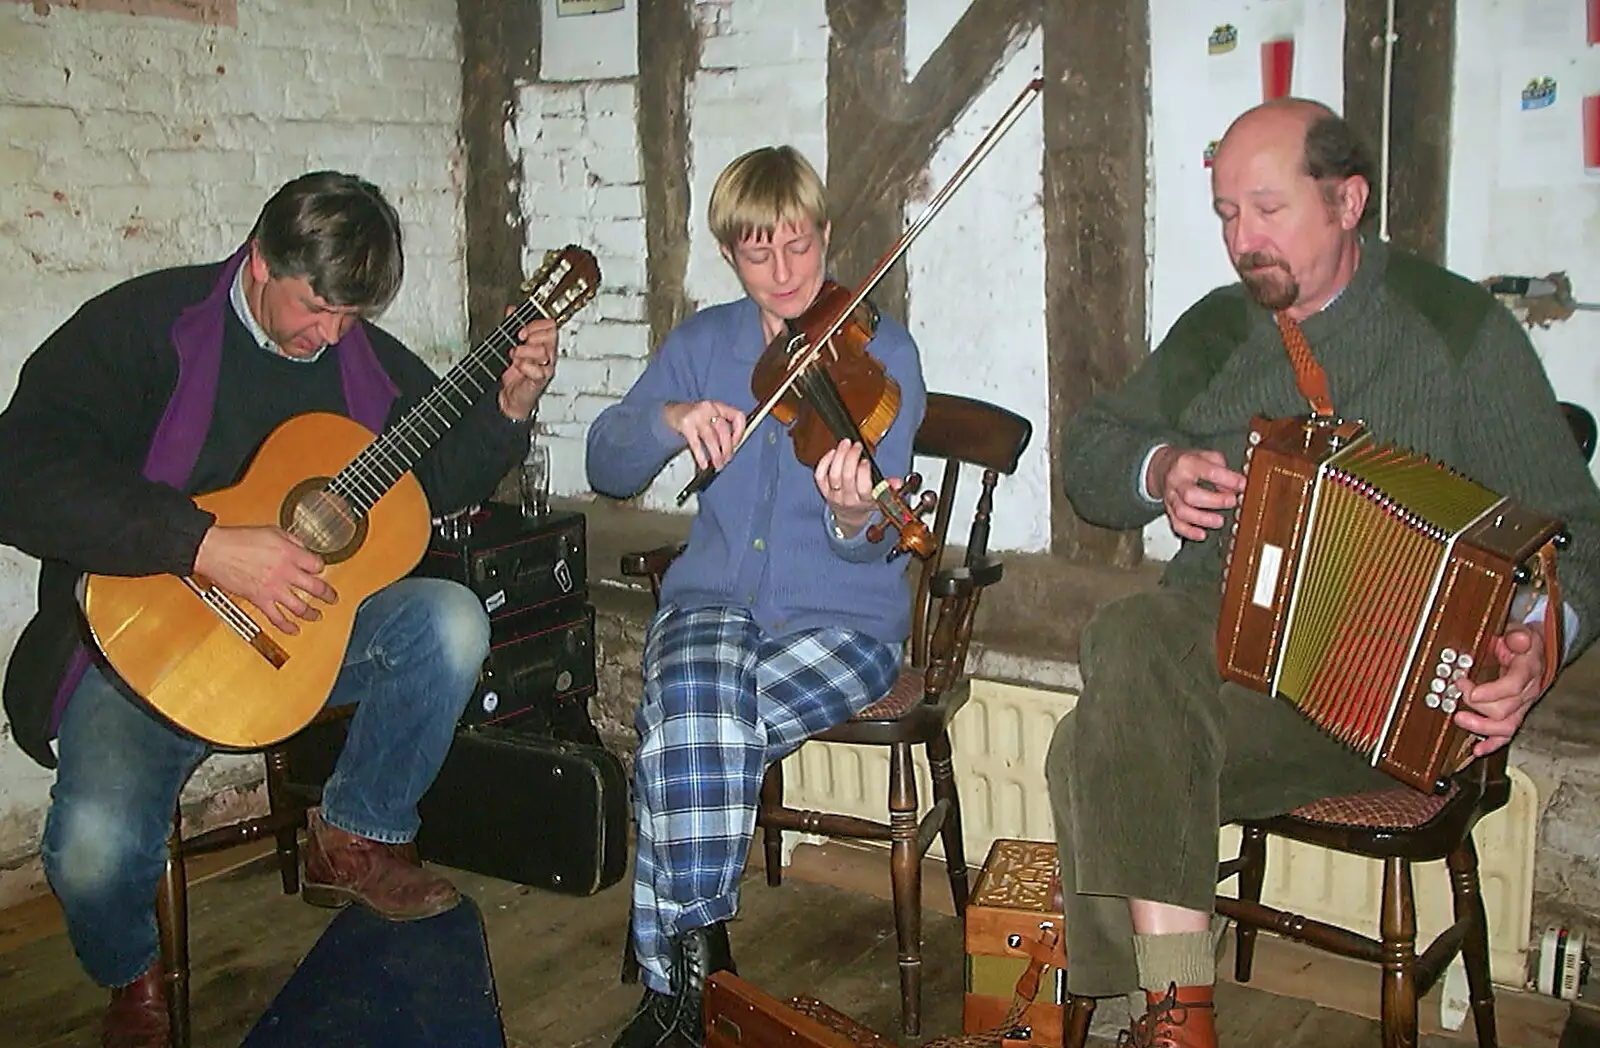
(137, 1015)
(1183, 1017)
(342, 868)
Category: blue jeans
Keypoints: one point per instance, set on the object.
(416, 649)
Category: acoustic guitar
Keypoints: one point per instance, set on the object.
(211, 664)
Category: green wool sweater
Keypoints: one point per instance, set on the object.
(1428, 360)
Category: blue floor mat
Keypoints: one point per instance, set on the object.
(372, 982)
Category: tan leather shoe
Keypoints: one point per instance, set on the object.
(342, 868)
(1183, 1017)
(137, 1015)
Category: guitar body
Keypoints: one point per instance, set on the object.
(178, 653)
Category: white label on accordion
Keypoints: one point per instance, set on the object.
(1267, 575)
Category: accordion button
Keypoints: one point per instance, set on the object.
(1465, 661)
(1431, 701)
(1435, 686)
(1458, 674)
(1447, 655)
(1441, 670)
(1451, 693)
(1448, 705)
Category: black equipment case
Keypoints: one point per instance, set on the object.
(531, 576)
(515, 565)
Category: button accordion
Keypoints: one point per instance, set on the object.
(1364, 581)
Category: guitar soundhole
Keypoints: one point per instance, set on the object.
(325, 522)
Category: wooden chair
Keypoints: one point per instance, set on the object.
(1400, 827)
(287, 804)
(930, 690)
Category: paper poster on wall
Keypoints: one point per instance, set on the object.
(587, 7)
(1547, 23)
(1541, 128)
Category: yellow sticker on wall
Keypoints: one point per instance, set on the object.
(1223, 38)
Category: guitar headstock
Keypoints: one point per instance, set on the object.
(565, 283)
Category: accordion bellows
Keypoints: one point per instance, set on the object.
(1363, 582)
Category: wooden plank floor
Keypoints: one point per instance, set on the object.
(556, 960)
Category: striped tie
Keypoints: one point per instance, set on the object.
(1308, 374)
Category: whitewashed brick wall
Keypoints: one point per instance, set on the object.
(132, 142)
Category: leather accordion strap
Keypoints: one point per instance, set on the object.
(1041, 952)
(1554, 616)
(1308, 374)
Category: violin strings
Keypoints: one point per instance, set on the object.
(824, 395)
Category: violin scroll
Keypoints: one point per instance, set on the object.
(907, 519)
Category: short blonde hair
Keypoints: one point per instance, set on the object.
(762, 190)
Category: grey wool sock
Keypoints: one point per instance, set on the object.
(1181, 958)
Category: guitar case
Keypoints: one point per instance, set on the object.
(528, 809)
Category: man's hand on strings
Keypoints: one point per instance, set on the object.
(267, 567)
(532, 365)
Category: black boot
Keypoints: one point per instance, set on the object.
(675, 1020)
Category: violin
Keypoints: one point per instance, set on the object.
(819, 380)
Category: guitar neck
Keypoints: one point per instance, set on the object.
(383, 462)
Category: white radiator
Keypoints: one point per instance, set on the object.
(1000, 740)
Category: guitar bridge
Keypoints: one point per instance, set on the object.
(236, 619)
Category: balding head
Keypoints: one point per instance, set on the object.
(1290, 184)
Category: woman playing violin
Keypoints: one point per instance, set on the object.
(782, 617)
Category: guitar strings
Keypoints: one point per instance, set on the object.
(387, 459)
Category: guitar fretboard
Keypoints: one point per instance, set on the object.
(391, 456)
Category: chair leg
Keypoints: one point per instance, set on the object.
(942, 772)
(905, 874)
(1253, 850)
(172, 921)
(1080, 1012)
(630, 961)
(1398, 928)
(279, 799)
(1468, 897)
(772, 836)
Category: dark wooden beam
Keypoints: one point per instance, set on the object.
(669, 53)
(883, 130)
(1096, 108)
(499, 50)
(1419, 136)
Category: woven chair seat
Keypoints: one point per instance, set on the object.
(1401, 808)
(905, 693)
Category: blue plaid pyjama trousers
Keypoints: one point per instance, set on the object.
(723, 699)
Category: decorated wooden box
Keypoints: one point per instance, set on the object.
(738, 1015)
(1013, 916)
